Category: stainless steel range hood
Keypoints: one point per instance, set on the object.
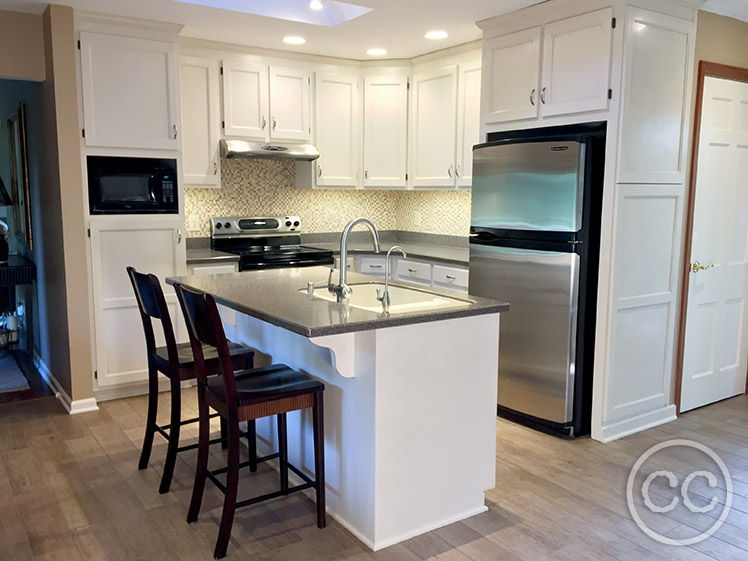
(268, 151)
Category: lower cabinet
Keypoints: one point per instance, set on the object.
(228, 316)
(416, 271)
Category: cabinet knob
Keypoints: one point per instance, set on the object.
(542, 96)
(532, 97)
(366, 173)
(175, 131)
(457, 170)
(275, 123)
(264, 122)
(449, 170)
(319, 171)
(179, 236)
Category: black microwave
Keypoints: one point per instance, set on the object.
(119, 185)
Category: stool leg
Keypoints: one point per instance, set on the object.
(224, 435)
(150, 424)
(252, 444)
(283, 451)
(202, 457)
(176, 421)
(318, 415)
(232, 485)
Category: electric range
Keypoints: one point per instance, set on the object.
(268, 242)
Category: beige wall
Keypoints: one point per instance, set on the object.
(267, 188)
(21, 46)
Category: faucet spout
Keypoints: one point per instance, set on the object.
(342, 290)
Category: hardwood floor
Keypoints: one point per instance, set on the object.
(37, 387)
(70, 490)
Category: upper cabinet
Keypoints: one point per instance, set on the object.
(201, 110)
(468, 120)
(263, 102)
(129, 88)
(575, 60)
(385, 131)
(337, 129)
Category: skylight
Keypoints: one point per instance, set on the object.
(332, 13)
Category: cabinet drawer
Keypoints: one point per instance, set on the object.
(371, 266)
(350, 264)
(450, 277)
(414, 271)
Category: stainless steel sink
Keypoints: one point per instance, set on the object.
(403, 300)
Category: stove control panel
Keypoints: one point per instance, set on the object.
(247, 226)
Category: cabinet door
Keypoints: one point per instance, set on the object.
(129, 92)
(337, 129)
(289, 104)
(201, 127)
(510, 87)
(385, 131)
(150, 244)
(658, 78)
(245, 100)
(468, 120)
(576, 64)
(434, 127)
(228, 315)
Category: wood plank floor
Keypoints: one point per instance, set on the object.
(70, 490)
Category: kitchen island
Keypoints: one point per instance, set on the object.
(410, 406)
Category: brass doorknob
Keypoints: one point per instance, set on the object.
(696, 267)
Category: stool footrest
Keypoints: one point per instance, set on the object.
(163, 428)
(275, 494)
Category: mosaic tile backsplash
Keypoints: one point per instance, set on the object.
(267, 187)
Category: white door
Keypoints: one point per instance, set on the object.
(337, 129)
(385, 131)
(576, 63)
(201, 127)
(511, 66)
(434, 127)
(716, 344)
(289, 104)
(468, 120)
(151, 245)
(129, 92)
(245, 100)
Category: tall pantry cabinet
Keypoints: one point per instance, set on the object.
(628, 63)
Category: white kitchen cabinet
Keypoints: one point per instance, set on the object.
(433, 127)
(228, 315)
(371, 265)
(418, 272)
(576, 64)
(201, 126)
(654, 134)
(450, 278)
(245, 100)
(385, 131)
(350, 264)
(337, 129)
(468, 120)
(289, 104)
(152, 245)
(511, 66)
(129, 88)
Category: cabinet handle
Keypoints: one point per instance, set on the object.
(179, 237)
(175, 131)
(542, 96)
(275, 123)
(375, 266)
(264, 122)
(366, 173)
(457, 170)
(532, 97)
(215, 168)
(412, 270)
(450, 277)
(449, 171)
(319, 171)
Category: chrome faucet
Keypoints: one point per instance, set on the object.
(385, 297)
(342, 290)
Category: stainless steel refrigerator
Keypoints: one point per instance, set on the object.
(534, 242)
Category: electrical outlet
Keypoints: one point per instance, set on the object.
(417, 218)
(193, 222)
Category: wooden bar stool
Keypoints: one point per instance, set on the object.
(246, 396)
(176, 362)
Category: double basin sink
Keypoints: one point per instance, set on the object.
(402, 300)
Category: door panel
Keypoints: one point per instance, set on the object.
(289, 104)
(468, 121)
(716, 342)
(538, 336)
(337, 129)
(385, 131)
(245, 100)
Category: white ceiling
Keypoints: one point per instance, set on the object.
(396, 25)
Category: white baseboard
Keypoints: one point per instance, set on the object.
(136, 388)
(619, 429)
(72, 407)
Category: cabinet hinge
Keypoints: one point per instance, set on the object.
(89, 232)
(406, 177)
(407, 84)
(96, 374)
(83, 132)
(610, 94)
(221, 70)
(223, 124)
(79, 44)
(613, 23)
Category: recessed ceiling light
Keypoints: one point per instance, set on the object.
(294, 40)
(316, 5)
(376, 52)
(436, 35)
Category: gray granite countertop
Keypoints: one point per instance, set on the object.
(415, 250)
(207, 255)
(274, 296)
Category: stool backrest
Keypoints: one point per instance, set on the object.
(152, 305)
(205, 328)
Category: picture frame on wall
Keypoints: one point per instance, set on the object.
(19, 175)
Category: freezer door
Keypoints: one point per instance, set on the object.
(529, 186)
(538, 335)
